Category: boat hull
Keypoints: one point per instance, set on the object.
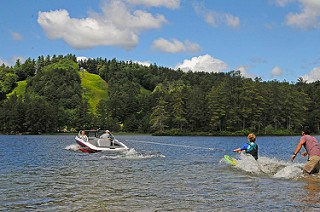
(96, 145)
(84, 147)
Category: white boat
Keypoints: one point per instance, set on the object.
(94, 143)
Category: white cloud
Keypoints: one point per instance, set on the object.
(215, 18)
(313, 75)
(15, 58)
(175, 46)
(210, 18)
(276, 71)
(171, 4)
(83, 58)
(16, 36)
(204, 63)
(245, 73)
(308, 18)
(2, 61)
(144, 63)
(116, 26)
(232, 21)
(283, 3)
(12, 61)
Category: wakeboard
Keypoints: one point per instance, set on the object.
(230, 160)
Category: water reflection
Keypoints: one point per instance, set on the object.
(312, 188)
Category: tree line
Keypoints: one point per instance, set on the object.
(152, 99)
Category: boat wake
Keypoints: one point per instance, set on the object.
(132, 154)
(73, 147)
(271, 167)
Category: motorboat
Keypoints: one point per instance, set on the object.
(93, 142)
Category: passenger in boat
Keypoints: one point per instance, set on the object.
(83, 136)
(108, 135)
(251, 147)
(311, 145)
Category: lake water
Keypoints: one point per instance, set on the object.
(49, 173)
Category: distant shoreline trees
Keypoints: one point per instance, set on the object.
(151, 99)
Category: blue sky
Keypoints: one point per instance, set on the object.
(271, 39)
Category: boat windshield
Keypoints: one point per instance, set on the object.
(92, 133)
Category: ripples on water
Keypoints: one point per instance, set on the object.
(48, 173)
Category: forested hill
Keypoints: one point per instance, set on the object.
(58, 93)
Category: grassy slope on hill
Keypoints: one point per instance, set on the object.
(20, 89)
(95, 88)
(144, 91)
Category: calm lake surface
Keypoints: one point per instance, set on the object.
(49, 173)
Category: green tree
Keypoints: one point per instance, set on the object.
(197, 109)
(159, 116)
(40, 116)
(83, 116)
(104, 118)
(123, 97)
(178, 93)
(218, 106)
(27, 69)
(12, 115)
(251, 105)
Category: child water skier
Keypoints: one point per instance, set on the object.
(251, 147)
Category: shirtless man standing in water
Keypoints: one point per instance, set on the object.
(311, 145)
